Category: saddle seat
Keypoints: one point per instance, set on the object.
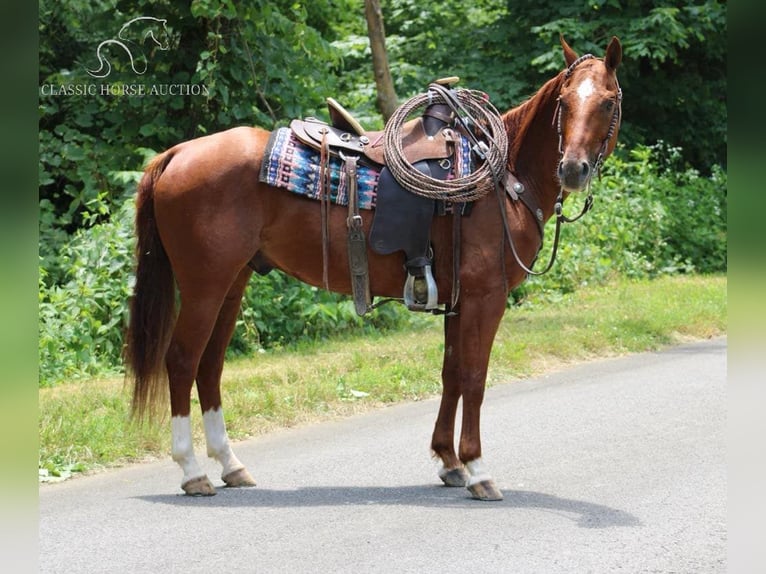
(369, 146)
(421, 138)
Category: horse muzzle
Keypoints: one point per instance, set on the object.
(574, 173)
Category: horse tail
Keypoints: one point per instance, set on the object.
(152, 306)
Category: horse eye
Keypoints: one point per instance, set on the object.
(608, 105)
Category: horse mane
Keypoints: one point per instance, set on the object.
(519, 119)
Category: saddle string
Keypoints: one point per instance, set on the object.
(324, 207)
(456, 229)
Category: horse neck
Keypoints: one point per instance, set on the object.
(533, 151)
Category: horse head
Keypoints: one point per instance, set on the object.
(163, 42)
(155, 29)
(588, 114)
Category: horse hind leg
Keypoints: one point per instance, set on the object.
(234, 473)
(182, 359)
(197, 319)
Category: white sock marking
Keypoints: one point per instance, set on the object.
(218, 446)
(182, 449)
(478, 472)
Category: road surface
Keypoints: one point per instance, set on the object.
(612, 466)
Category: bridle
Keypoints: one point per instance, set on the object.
(558, 206)
(616, 117)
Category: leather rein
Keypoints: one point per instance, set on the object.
(516, 191)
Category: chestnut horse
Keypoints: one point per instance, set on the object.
(203, 217)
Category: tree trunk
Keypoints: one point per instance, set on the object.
(387, 101)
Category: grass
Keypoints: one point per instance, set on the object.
(84, 425)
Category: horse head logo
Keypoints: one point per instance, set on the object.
(142, 28)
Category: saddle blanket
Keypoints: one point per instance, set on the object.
(294, 166)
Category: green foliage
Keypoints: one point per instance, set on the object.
(427, 41)
(674, 67)
(278, 311)
(251, 63)
(81, 316)
(651, 216)
(82, 425)
(659, 209)
(264, 62)
(673, 74)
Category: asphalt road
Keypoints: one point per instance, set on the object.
(612, 466)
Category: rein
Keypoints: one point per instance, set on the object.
(559, 205)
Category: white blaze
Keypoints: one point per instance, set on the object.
(585, 89)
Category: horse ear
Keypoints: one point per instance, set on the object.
(569, 54)
(613, 54)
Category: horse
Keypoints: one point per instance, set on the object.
(148, 25)
(204, 221)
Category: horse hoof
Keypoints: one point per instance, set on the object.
(238, 478)
(199, 486)
(485, 490)
(454, 477)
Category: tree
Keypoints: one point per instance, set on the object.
(674, 72)
(257, 62)
(387, 101)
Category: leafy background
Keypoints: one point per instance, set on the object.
(661, 204)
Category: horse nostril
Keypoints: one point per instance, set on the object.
(585, 169)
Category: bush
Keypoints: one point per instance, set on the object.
(278, 310)
(651, 216)
(81, 317)
(83, 305)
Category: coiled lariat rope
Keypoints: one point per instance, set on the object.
(480, 122)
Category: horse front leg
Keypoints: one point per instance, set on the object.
(480, 318)
(452, 472)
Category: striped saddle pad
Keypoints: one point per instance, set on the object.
(294, 166)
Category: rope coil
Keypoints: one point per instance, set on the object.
(474, 114)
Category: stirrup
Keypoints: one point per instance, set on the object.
(432, 300)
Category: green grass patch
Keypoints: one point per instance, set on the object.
(84, 424)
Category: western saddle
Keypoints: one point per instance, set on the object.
(402, 219)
